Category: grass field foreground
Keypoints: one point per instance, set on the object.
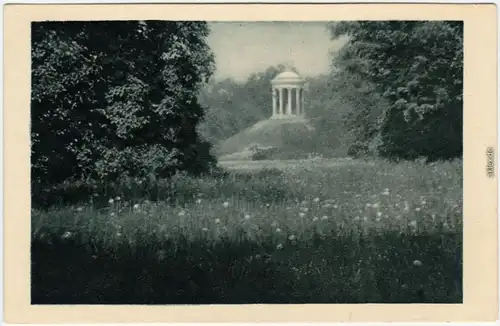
(347, 233)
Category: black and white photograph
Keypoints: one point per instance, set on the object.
(246, 162)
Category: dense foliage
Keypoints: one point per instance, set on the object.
(117, 99)
(414, 72)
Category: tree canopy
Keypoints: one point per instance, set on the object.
(117, 98)
(416, 70)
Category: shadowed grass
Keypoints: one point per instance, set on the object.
(351, 233)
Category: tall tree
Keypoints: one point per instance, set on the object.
(112, 99)
(417, 68)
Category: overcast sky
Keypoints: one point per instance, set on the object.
(247, 47)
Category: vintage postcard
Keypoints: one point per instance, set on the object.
(250, 162)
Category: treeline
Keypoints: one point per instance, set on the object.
(394, 90)
(115, 100)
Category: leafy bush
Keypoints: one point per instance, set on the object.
(112, 100)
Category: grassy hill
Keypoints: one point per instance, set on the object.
(292, 138)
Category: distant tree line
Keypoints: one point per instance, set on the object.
(113, 100)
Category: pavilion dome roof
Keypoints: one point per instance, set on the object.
(287, 77)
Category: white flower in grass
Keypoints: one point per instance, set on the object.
(376, 205)
(417, 209)
(327, 205)
(136, 206)
(335, 206)
(377, 219)
(423, 202)
(67, 235)
(386, 192)
(292, 237)
(198, 201)
(316, 199)
(225, 204)
(379, 214)
(417, 263)
(247, 216)
(279, 247)
(79, 209)
(302, 214)
(413, 224)
(112, 214)
(182, 213)
(365, 218)
(111, 201)
(433, 216)
(324, 217)
(204, 229)
(274, 224)
(118, 234)
(117, 198)
(278, 230)
(217, 221)
(315, 219)
(368, 205)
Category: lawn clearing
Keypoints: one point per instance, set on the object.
(331, 233)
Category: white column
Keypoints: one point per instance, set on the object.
(302, 107)
(281, 101)
(297, 101)
(289, 106)
(274, 101)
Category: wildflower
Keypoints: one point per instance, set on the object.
(365, 218)
(304, 202)
(204, 229)
(117, 198)
(302, 214)
(377, 219)
(111, 201)
(198, 201)
(112, 214)
(423, 202)
(279, 247)
(278, 230)
(291, 237)
(316, 199)
(182, 213)
(327, 205)
(335, 206)
(417, 209)
(79, 209)
(247, 216)
(315, 219)
(267, 205)
(433, 216)
(324, 217)
(376, 205)
(356, 218)
(379, 214)
(217, 221)
(225, 204)
(67, 235)
(413, 224)
(386, 192)
(274, 224)
(136, 206)
(118, 234)
(417, 263)
(368, 205)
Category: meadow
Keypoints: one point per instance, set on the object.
(309, 232)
